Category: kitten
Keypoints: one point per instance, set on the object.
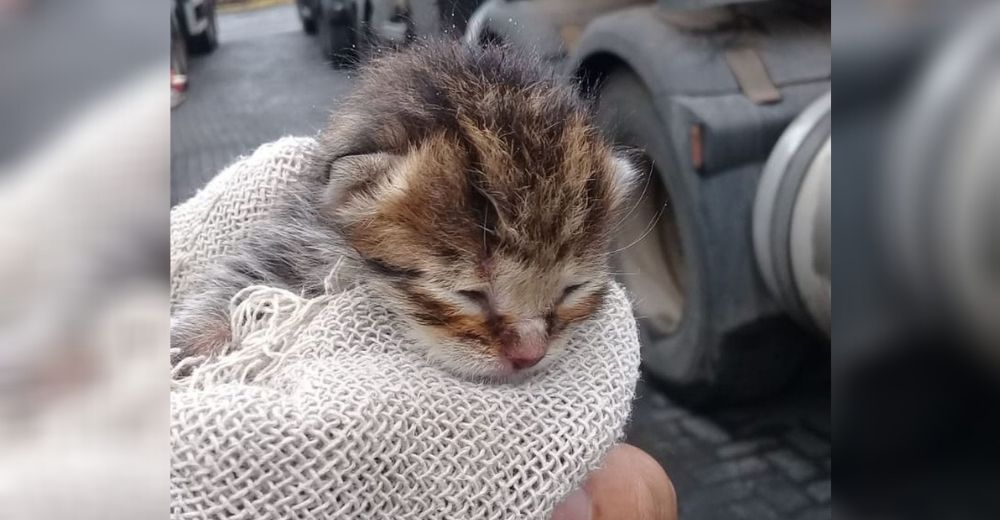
(468, 187)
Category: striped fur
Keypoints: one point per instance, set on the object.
(469, 186)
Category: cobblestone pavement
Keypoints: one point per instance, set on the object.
(761, 462)
(767, 461)
(267, 79)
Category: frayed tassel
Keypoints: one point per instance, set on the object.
(266, 322)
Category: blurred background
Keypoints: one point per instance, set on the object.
(84, 201)
(729, 254)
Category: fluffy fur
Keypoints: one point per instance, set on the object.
(469, 187)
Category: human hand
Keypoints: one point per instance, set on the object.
(630, 485)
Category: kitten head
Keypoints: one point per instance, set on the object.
(484, 207)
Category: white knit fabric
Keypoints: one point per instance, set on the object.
(329, 411)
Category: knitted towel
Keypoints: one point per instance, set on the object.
(329, 411)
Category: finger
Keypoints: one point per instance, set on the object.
(631, 485)
(576, 506)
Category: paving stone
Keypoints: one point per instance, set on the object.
(754, 510)
(781, 494)
(731, 469)
(670, 428)
(820, 491)
(668, 414)
(745, 447)
(708, 500)
(708, 512)
(705, 430)
(680, 446)
(792, 465)
(809, 443)
(819, 513)
(730, 491)
(656, 399)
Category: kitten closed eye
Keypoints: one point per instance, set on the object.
(568, 291)
(474, 296)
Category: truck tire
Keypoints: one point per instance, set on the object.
(364, 36)
(337, 41)
(665, 267)
(308, 25)
(208, 40)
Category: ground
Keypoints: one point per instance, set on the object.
(266, 80)
(761, 462)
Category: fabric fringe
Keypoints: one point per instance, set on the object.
(265, 322)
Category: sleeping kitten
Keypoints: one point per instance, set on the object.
(468, 187)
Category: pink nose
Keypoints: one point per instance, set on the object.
(520, 363)
(525, 354)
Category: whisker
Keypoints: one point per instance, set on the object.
(485, 230)
(649, 229)
(645, 186)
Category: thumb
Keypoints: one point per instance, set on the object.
(576, 506)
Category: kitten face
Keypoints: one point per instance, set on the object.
(493, 263)
(480, 197)
(507, 319)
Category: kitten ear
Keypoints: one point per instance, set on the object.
(354, 178)
(624, 177)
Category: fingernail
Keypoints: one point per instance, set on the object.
(576, 506)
